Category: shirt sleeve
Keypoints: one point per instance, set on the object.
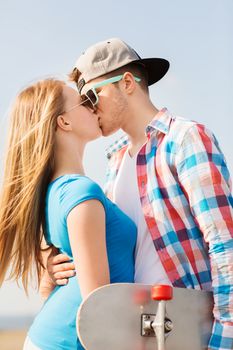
(205, 179)
(78, 190)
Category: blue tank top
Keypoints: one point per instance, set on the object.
(54, 327)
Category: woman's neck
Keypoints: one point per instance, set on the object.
(68, 159)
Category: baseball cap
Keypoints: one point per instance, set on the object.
(109, 55)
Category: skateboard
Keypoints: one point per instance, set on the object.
(127, 316)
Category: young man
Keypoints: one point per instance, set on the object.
(169, 175)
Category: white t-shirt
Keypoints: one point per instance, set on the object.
(148, 267)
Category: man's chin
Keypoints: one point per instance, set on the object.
(106, 133)
(101, 132)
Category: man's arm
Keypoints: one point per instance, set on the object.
(59, 270)
(46, 284)
(205, 180)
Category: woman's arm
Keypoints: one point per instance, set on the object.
(86, 227)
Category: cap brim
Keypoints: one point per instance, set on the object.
(156, 68)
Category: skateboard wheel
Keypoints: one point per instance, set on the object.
(161, 292)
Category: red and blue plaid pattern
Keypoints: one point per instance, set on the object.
(185, 192)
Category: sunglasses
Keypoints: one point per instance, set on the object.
(85, 102)
(92, 95)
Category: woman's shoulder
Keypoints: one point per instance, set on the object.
(72, 189)
(80, 183)
(76, 188)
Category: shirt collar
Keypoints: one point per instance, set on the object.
(161, 122)
(117, 145)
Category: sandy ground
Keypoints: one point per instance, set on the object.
(12, 340)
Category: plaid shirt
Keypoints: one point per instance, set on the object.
(185, 192)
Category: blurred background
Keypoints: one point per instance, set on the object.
(43, 38)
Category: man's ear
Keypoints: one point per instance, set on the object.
(129, 82)
(63, 123)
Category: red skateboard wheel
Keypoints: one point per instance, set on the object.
(161, 292)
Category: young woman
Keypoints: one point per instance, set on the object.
(45, 193)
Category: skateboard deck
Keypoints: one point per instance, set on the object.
(120, 317)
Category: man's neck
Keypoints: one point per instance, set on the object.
(136, 125)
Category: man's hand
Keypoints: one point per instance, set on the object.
(59, 268)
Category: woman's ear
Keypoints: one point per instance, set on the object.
(63, 123)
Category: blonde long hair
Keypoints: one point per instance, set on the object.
(28, 168)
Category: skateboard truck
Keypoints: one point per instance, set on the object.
(158, 325)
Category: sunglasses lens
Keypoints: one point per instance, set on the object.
(86, 102)
(92, 97)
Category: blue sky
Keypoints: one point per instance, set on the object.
(44, 37)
